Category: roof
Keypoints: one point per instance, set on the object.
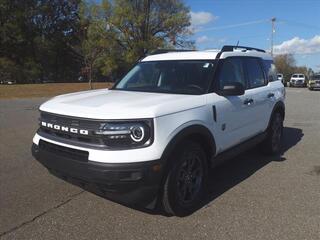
(192, 55)
(204, 55)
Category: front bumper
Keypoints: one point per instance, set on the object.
(297, 84)
(128, 183)
(314, 85)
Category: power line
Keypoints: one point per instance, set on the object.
(234, 25)
(300, 23)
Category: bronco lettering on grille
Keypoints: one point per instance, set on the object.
(64, 128)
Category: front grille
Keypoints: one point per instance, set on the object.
(85, 133)
(90, 140)
(74, 154)
(70, 121)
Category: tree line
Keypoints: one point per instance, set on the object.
(286, 65)
(71, 40)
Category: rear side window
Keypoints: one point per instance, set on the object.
(231, 71)
(255, 72)
(270, 70)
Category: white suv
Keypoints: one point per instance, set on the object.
(153, 137)
(298, 80)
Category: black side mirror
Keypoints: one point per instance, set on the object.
(233, 89)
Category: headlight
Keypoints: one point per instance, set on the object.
(127, 134)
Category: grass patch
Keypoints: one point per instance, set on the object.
(45, 90)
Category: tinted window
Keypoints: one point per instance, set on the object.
(301, 76)
(177, 77)
(255, 73)
(231, 71)
(270, 70)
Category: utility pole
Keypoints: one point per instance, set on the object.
(272, 32)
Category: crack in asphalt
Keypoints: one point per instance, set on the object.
(41, 214)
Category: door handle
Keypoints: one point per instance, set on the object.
(270, 95)
(248, 101)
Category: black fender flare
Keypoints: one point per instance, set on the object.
(186, 133)
(194, 132)
(279, 106)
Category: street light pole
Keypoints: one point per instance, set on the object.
(272, 32)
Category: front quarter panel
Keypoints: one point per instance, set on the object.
(168, 126)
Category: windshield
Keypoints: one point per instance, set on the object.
(301, 76)
(178, 77)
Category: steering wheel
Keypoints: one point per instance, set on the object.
(195, 87)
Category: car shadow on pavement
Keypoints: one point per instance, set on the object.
(234, 171)
(228, 174)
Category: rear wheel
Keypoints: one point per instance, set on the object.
(272, 144)
(184, 186)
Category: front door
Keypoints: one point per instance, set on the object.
(233, 123)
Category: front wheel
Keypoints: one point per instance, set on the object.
(184, 186)
(272, 144)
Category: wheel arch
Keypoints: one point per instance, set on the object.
(278, 107)
(197, 133)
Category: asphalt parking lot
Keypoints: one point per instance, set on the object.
(250, 197)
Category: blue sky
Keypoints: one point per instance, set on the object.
(297, 26)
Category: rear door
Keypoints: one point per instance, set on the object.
(260, 92)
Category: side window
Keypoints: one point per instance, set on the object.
(255, 73)
(270, 70)
(231, 71)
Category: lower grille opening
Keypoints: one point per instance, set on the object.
(74, 154)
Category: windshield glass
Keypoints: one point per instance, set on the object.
(301, 76)
(178, 77)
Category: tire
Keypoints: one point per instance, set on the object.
(272, 144)
(184, 186)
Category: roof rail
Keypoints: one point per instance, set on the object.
(159, 51)
(231, 48)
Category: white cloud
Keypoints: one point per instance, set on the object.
(202, 39)
(201, 18)
(205, 42)
(298, 45)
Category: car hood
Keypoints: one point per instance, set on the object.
(115, 104)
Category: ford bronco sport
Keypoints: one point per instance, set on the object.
(153, 136)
